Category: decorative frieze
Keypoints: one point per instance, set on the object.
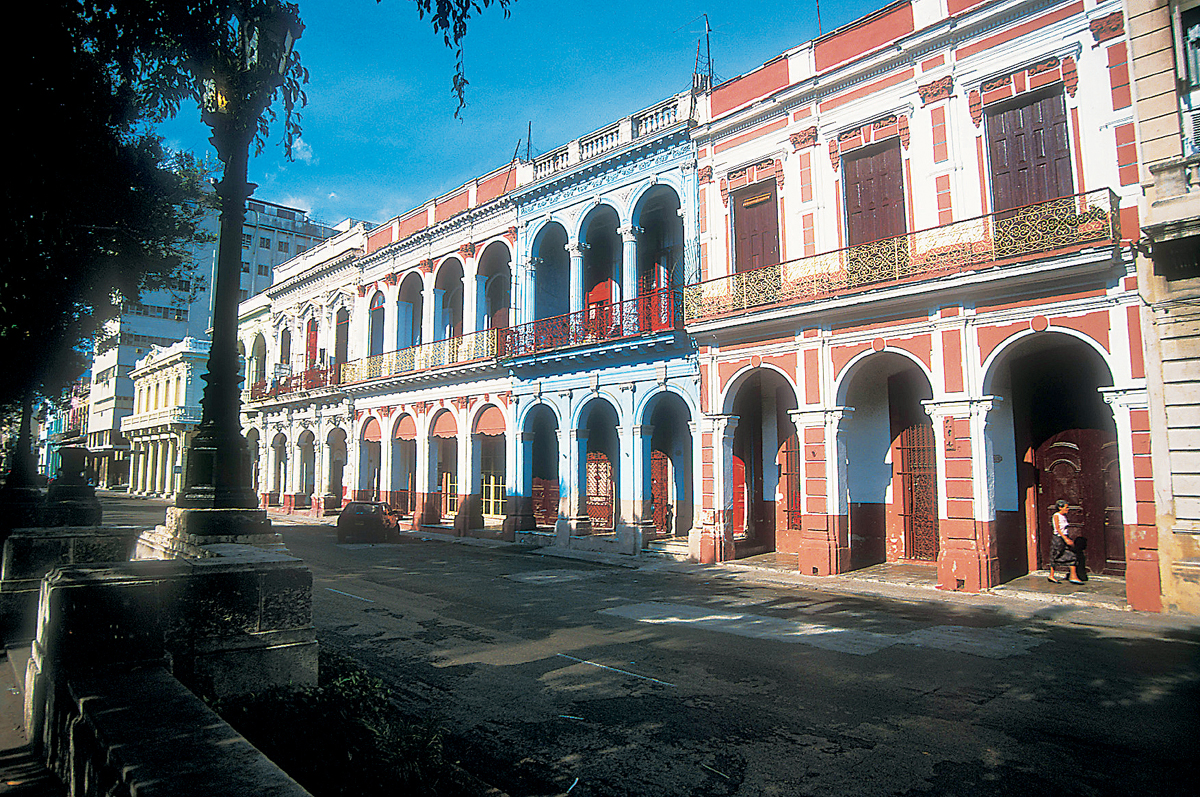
(937, 90)
(891, 126)
(1002, 87)
(1107, 27)
(804, 139)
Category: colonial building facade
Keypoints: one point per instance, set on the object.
(875, 301)
(918, 320)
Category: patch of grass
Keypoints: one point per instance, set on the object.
(344, 736)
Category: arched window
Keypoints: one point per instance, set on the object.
(375, 317)
(285, 347)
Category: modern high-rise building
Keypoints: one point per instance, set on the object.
(272, 234)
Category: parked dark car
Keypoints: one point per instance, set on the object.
(366, 521)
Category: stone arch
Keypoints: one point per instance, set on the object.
(845, 376)
(552, 273)
(669, 463)
(734, 384)
(660, 244)
(447, 305)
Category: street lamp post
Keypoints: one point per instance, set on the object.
(237, 85)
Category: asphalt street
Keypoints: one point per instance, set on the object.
(555, 676)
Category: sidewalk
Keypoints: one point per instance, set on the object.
(21, 773)
(1098, 602)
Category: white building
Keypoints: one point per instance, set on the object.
(167, 389)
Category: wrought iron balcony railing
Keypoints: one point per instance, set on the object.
(440, 353)
(656, 311)
(1026, 233)
(308, 379)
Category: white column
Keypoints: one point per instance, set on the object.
(576, 250)
(629, 275)
(1122, 402)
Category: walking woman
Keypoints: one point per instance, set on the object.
(1062, 547)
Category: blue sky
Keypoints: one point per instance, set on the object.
(380, 135)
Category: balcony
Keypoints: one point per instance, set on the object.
(309, 379)
(163, 417)
(1029, 233)
(475, 347)
(654, 312)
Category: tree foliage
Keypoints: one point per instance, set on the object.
(96, 210)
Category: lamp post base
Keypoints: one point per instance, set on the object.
(190, 533)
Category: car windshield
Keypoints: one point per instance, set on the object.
(366, 509)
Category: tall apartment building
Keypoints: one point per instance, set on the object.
(1164, 42)
(271, 235)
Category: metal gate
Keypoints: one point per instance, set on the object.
(599, 490)
(918, 479)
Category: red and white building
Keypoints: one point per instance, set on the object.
(918, 319)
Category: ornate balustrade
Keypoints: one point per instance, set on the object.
(1031, 232)
(440, 353)
(600, 142)
(166, 415)
(657, 311)
(656, 118)
(308, 379)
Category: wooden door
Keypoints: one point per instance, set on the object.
(660, 493)
(755, 227)
(545, 501)
(874, 194)
(599, 490)
(793, 464)
(1030, 152)
(1080, 467)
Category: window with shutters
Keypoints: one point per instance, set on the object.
(1029, 151)
(755, 226)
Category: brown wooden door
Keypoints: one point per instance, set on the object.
(1030, 152)
(1080, 467)
(599, 490)
(874, 194)
(545, 501)
(660, 494)
(792, 465)
(755, 227)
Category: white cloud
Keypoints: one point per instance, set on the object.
(303, 152)
(333, 196)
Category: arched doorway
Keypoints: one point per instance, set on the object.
(408, 311)
(889, 463)
(542, 425)
(494, 286)
(670, 477)
(448, 300)
(279, 469)
(404, 465)
(601, 270)
(552, 273)
(308, 468)
(285, 351)
(600, 471)
(310, 344)
(258, 361)
(490, 452)
(375, 322)
(369, 461)
(335, 443)
(252, 452)
(1052, 436)
(762, 439)
(443, 464)
(659, 256)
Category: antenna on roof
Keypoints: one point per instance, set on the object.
(708, 50)
(702, 79)
(516, 152)
(819, 31)
(529, 142)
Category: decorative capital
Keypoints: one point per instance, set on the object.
(629, 233)
(392, 278)
(975, 103)
(705, 174)
(362, 291)
(511, 235)
(467, 250)
(425, 266)
(1070, 75)
(577, 248)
